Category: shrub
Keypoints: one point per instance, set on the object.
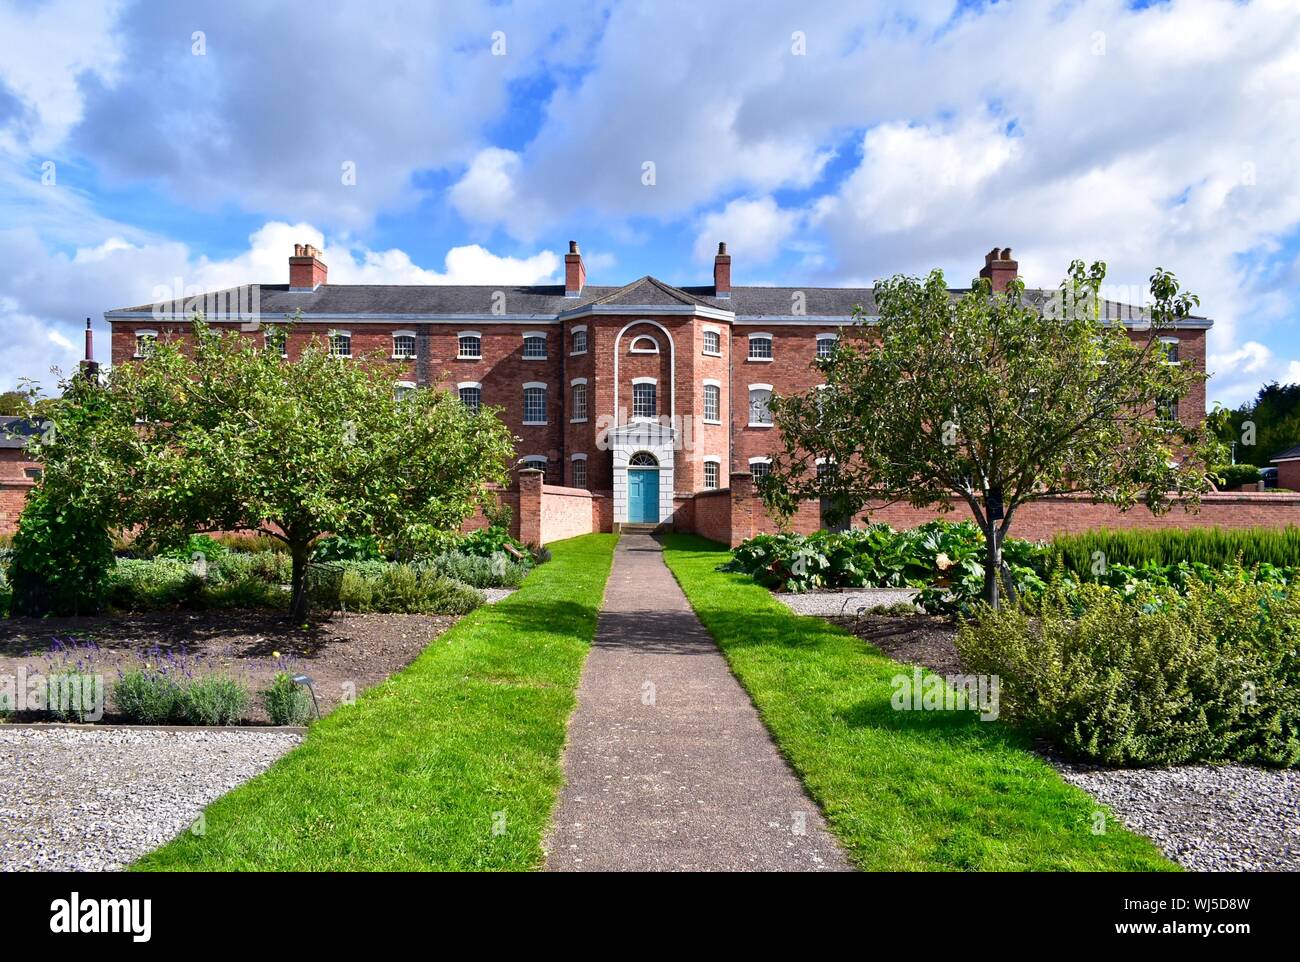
(244, 593)
(6, 590)
(272, 567)
(403, 588)
(377, 586)
(495, 571)
(897, 609)
(214, 700)
(942, 558)
(75, 696)
(1210, 675)
(147, 696)
(355, 592)
(61, 557)
(249, 543)
(337, 548)
(488, 541)
(1233, 476)
(287, 702)
(198, 544)
(139, 585)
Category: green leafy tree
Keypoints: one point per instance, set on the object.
(25, 400)
(220, 434)
(994, 401)
(1262, 427)
(62, 549)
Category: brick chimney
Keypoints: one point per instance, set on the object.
(575, 273)
(89, 367)
(306, 270)
(722, 272)
(999, 268)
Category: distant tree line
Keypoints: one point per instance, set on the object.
(1271, 421)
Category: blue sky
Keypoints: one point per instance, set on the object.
(147, 146)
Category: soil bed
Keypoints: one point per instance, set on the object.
(343, 654)
(925, 640)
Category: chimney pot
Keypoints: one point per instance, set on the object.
(306, 270)
(999, 268)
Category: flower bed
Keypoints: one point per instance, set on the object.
(204, 668)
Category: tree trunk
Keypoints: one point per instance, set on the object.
(992, 564)
(301, 553)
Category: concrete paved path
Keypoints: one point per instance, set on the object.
(668, 765)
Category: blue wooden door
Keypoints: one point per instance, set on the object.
(643, 496)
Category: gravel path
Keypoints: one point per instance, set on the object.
(76, 800)
(834, 603)
(668, 765)
(493, 595)
(1230, 818)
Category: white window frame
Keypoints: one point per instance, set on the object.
(653, 382)
(586, 339)
(534, 385)
(716, 460)
(279, 330)
(339, 333)
(759, 460)
(704, 348)
(1177, 347)
(822, 338)
(586, 401)
(574, 461)
(471, 385)
(545, 346)
(704, 406)
(749, 397)
(414, 347)
(633, 349)
(469, 357)
(1173, 403)
(533, 461)
(399, 386)
(143, 335)
(771, 349)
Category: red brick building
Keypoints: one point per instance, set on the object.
(648, 395)
(18, 472)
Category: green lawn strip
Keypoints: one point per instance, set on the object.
(453, 763)
(902, 790)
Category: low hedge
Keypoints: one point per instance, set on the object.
(1216, 547)
(259, 580)
(1211, 674)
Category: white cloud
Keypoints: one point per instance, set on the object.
(754, 230)
(279, 100)
(46, 50)
(49, 293)
(1165, 136)
(1172, 149)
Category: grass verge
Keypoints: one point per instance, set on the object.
(902, 790)
(451, 764)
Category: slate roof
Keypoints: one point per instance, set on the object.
(1287, 454)
(15, 432)
(548, 300)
